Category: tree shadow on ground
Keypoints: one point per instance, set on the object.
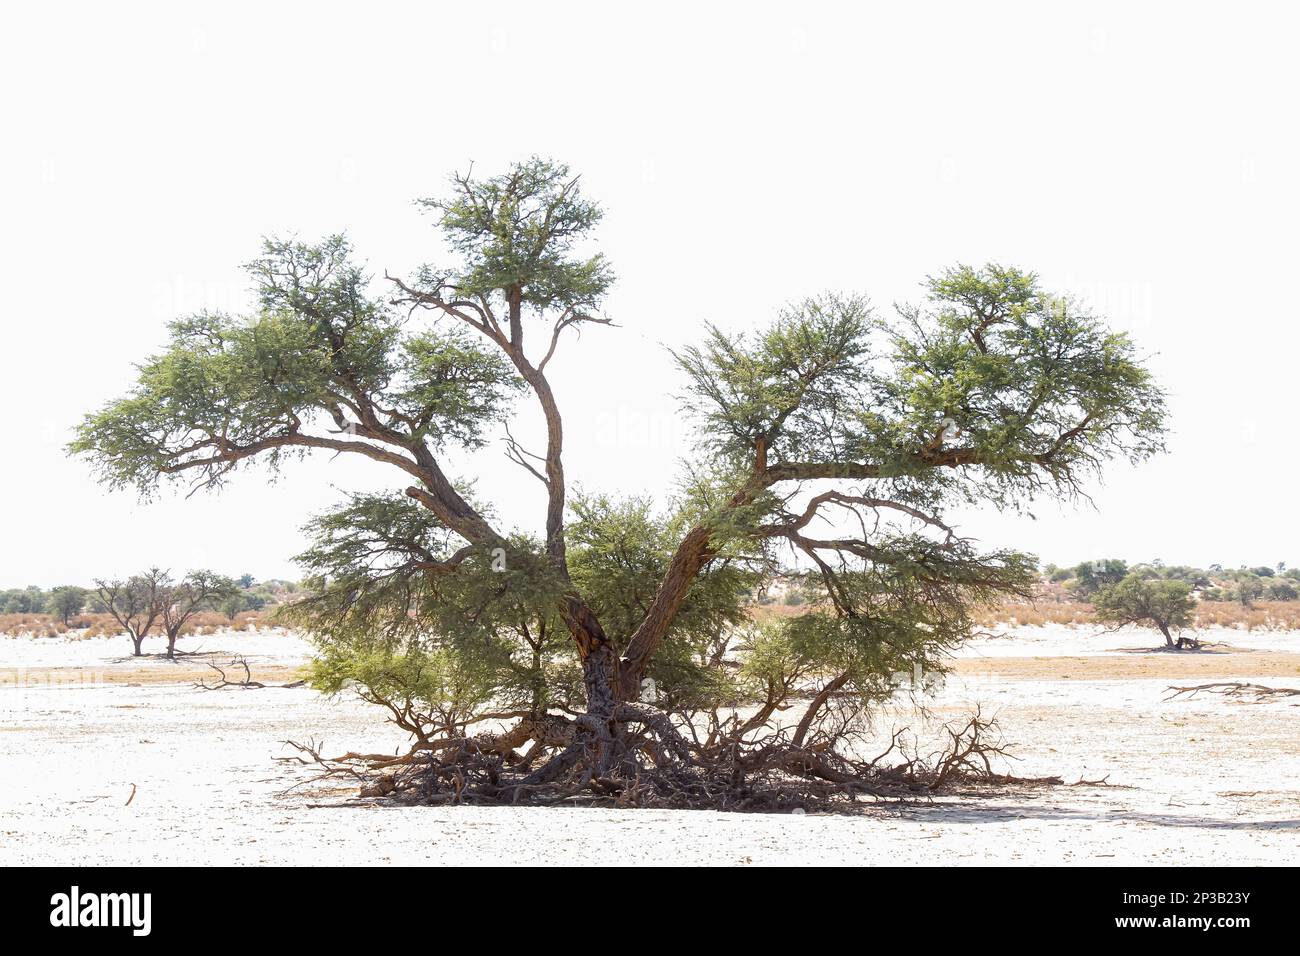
(1211, 649)
(1005, 813)
(181, 657)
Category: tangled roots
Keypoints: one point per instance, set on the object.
(640, 758)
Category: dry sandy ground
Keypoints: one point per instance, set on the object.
(1206, 780)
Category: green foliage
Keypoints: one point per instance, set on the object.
(1211, 584)
(1092, 575)
(232, 605)
(1248, 588)
(789, 387)
(1032, 383)
(516, 234)
(994, 372)
(439, 690)
(1162, 604)
(1282, 591)
(31, 600)
(67, 601)
(226, 388)
(619, 552)
(425, 641)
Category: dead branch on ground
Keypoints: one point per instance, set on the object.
(245, 683)
(1237, 690)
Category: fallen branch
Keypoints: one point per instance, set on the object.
(1238, 690)
(246, 683)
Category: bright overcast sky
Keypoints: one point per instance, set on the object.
(1146, 161)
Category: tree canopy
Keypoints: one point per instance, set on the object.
(1163, 604)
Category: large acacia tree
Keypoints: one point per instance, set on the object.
(611, 641)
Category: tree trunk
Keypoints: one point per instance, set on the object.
(683, 568)
(1164, 629)
(171, 646)
(600, 665)
(600, 677)
(137, 640)
(817, 704)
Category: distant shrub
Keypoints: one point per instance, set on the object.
(1282, 591)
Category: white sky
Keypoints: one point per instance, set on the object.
(1144, 160)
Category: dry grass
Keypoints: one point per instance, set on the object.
(1260, 616)
(37, 625)
(1037, 614)
(103, 625)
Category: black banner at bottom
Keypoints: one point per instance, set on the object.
(329, 905)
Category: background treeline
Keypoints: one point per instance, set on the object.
(46, 611)
(1254, 597)
(1243, 585)
(1183, 597)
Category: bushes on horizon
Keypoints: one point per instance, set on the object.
(1089, 576)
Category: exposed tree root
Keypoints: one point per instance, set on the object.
(643, 759)
(1238, 690)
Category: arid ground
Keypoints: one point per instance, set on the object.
(108, 759)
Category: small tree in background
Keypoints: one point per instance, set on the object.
(199, 591)
(231, 605)
(136, 603)
(1249, 587)
(67, 601)
(1283, 591)
(1165, 605)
